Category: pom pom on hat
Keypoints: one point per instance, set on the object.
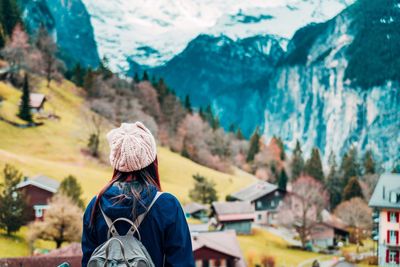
(132, 146)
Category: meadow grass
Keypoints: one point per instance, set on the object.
(263, 244)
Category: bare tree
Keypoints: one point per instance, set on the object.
(96, 125)
(301, 206)
(356, 213)
(48, 49)
(62, 222)
(17, 49)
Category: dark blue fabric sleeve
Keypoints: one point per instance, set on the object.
(89, 242)
(177, 241)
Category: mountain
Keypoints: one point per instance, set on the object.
(338, 84)
(69, 22)
(153, 32)
(227, 74)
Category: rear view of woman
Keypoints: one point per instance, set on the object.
(132, 193)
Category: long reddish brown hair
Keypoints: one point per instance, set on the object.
(147, 176)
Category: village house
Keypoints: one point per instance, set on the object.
(196, 211)
(386, 204)
(236, 215)
(265, 198)
(36, 102)
(329, 232)
(38, 190)
(220, 248)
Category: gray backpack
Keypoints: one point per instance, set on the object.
(123, 250)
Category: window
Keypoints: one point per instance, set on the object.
(259, 217)
(392, 237)
(259, 204)
(393, 216)
(272, 204)
(392, 256)
(38, 212)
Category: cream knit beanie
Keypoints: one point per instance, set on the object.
(132, 147)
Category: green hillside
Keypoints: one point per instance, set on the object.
(55, 148)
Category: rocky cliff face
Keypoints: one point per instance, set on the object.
(311, 100)
(70, 24)
(230, 75)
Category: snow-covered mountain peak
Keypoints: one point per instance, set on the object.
(151, 32)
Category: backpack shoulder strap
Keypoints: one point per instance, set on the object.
(109, 223)
(141, 217)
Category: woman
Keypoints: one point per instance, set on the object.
(164, 230)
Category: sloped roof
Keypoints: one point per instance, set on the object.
(388, 182)
(36, 100)
(333, 221)
(221, 241)
(194, 207)
(42, 182)
(255, 191)
(234, 211)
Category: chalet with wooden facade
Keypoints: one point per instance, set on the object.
(236, 215)
(329, 232)
(196, 211)
(38, 190)
(219, 248)
(265, 198)
(386, 204)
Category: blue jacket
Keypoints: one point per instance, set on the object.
(164, 231)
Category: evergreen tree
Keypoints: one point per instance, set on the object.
(254, 146)
(281, 147)
(188, 105)
(136, 78)
(71, 188)
(12, 202)
(201, 113)
(11, 15)
(145, 76)
(313, 166)
(232, 128)
(162, 90)
(349, 166)
(78, 75)
(212, 120)
(239, 134)
(297, 163)
(88, 82)
(283, 180)
(396, 167)
(203, 191)
(369, 163)
(333, 183)
(24, 108)
(2, 36)
(104, 69)
(352, 189)
(216, 123)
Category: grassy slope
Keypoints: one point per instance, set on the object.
(263, 243)
(54, 149)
